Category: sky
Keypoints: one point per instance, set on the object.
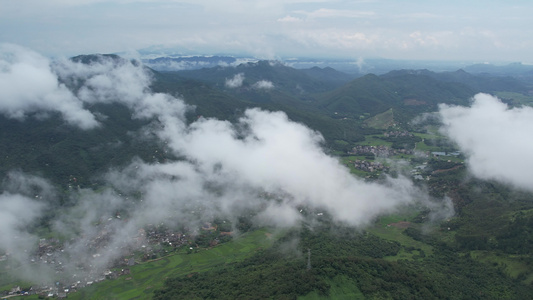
(477, 31)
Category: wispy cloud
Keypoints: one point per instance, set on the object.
(335, 13)
(263, 84)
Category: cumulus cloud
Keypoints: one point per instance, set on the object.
(236, 81)
(495, 138)
(291, 163)
(28, 85)
(263, 85)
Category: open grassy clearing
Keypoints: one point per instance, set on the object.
(381, 121)
(393, 233)
(396, 234)
(515, 266)
(516, 98)
(407, 215)
(373, 140)
(342, 287)
(422, 146)
(429, 136)
(148, 276)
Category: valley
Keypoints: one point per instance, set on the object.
(277, 183)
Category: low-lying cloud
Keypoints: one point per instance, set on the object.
(28, 85)
(236, 81)
(264, 165)
(496, 139)
(263, 85)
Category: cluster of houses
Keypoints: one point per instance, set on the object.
(51, 252)
(369, 166)
(156, 236)
(61, 290)
(378, 150)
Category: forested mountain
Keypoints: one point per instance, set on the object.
(481, 82)
(408, 94)
(293, 81)
(68, 155)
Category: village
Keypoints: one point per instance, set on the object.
(383, 151)
(419, 164)
(370, 166)
(150, 242)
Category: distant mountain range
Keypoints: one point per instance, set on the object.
(355, 67)
(342, 95)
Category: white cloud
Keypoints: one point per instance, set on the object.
(335, 13)
(263, 85)
(28, 85)
(276, 155)
(236, 81)
(289, 19)
(264, 165)
(496, 139)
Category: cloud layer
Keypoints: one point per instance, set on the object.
(28, 85)
(264, 166)
(496, 139)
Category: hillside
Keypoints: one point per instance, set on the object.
(408, 94)
(284, 78)
(67, 155)
(486, 83)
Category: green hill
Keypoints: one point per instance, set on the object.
(383, 120)
(408, 94)
(293, 81)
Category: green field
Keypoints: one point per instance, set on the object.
(342, 287)
(382, 230)
(381, 121)
(517, 98)
(515, 266)
(371, 140)
(146, 277)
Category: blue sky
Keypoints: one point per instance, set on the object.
(436, 30)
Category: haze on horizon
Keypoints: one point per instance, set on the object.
(477, 31)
